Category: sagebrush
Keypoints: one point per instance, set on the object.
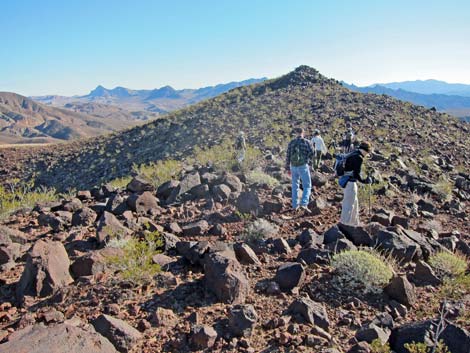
(361, 270)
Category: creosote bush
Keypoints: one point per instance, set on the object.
(120, 182)
(259, 177)
(136, 263)
(159, 172)
(17, 195)
(424, 348)
(361, 270)
(447, 264)
(258, 230)
(376, 346)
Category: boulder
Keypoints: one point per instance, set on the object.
(46, 270)
(56, 222)
(94, 262)
(203, 337)
(224, 276)
(281, 246)
(400, 246)
(424, 275)
(401, 290)
(246, 255)
(341, 245)
(13, 235)
(332, 235)
(314, 256)
(84, 217)
(358, 235)
(373, 332)
(165, 190)
(118, 332)
(110, 227)
(456, 339)
(233, 182)
(117, 204)
(312, 312)
(290, 275)
(56, 339)
(248, 202)
(143, 203)
(310, 237)
(9, 253)
(72, 205)
(413, 332)
(188, 182)
(164, 318)
(221, 192)
(319, 180)
(242, 319)
(140, 184)
(196, 228)
(272, 206)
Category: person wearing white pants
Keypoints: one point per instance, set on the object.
(352, 169)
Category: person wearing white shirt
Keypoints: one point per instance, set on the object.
(320, 149)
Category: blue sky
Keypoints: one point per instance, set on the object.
(70, 46)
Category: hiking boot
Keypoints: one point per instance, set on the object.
(305, 209)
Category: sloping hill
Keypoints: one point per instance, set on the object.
(24, 120)
(266, 112)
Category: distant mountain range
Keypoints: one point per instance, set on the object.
(160, 100)
(430, 87)
(429, 93)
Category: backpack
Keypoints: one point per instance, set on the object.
(340, 162)
(297, 158)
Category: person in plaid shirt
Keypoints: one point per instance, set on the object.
(299, 154)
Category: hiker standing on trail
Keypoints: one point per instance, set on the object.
(299, 154)
(348, 140)
(352, 174)
(320, 149)
(240, 147)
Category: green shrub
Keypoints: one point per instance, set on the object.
(17, 195)
(136, 263)
(120, 182)
(221, 157)
(423, 348)
(443, 189)
(259, 229)
(361, 270)
(259, 177)
(376, 346)
(159, 172)
(447, 264)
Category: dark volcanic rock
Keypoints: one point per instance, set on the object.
(118, 332)
(140, 184)
(142, 203)
(246, 255)
(46, 270)
(242, 319)
(401, 290)
(225, 277)
(109, 227)
(84, 217)
(314, 256)
(248, 202)
(56, 339)
(203, 337)
(290, 275)
(358, 235)
(311, 311)
(196, 228)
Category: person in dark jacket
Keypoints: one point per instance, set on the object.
(299, 154)
(352, 169)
